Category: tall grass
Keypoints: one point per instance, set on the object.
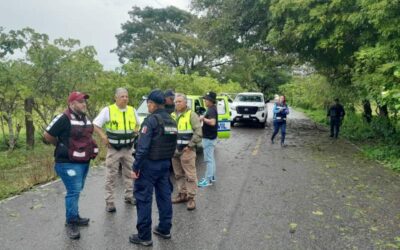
(22, 169)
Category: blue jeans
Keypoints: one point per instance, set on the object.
(73, 176)
(208, 149)
(282, 126)
(154, 175)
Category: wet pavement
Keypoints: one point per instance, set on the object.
(316, 193)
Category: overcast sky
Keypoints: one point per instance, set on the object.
(93, 22)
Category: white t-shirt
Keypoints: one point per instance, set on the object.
(104, 116)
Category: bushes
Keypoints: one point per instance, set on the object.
(379, 139)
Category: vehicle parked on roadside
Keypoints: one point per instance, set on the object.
(249, 107)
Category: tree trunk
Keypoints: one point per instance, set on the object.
(367, 111)
(11, 136)
(2, 130)
(383, 111)
(30, 129)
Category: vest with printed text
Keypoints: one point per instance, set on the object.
(121, 128)
(185, 130)
(82, 147)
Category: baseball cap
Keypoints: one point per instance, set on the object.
(156, 96)
(77, 96)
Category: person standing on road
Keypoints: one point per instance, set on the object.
(169, 101)
(184, 160)
(210, 132)
(336, 114)
(71, 133)
(280, 111)
(156, 146)
(121, 123)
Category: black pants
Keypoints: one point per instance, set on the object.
(335, 125)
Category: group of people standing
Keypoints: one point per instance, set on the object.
(168, 136)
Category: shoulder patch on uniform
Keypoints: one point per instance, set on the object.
(144, 130)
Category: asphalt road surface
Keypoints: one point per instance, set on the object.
(316, 193)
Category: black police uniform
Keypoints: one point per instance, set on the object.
(336, 114)
(156, 146)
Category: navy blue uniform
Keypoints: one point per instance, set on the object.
(336, 113)
(153, 174)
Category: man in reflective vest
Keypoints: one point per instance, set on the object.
(121, 123)
(184, 160)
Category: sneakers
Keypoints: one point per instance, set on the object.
(204, 183)
(73, 231)
(180, 198)
(191, 204)
(110, 207)
(134, 238)
(130, 200)
(162, 235)
(272, 141)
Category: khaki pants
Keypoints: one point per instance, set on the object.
(113, 159)
(184, 166)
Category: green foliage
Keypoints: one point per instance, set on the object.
(313, 92)
(165, 35)
(388, 154)
(257, 70)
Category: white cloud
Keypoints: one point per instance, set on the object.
(93, 22)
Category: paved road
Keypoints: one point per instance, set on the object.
(316, 193)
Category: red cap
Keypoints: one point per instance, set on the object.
(77, 96)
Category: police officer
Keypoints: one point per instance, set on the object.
(121, 123)
(280, 111)
(169, 101)
(336, 114)
(156, 146)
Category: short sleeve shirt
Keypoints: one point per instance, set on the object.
(104, 116)
(210, 132)
(60, 128)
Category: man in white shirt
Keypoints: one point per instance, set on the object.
(121, 123)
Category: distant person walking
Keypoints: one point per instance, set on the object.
(121, 123)
(71, 133)
(280, 111)
(336, 114)
(210, 133)
(184, 160)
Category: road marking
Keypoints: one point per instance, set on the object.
(255, 150)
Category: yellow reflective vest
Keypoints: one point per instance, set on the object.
(185, 130)
(121, 128)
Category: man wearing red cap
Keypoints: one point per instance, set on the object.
(71, 133)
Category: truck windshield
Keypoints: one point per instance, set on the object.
(248, 98)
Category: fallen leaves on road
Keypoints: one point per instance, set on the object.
(318, 212)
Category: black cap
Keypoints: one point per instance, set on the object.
(169, 93)
(156, 96)
(211, 96)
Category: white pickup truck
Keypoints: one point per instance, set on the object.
(249, 107)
